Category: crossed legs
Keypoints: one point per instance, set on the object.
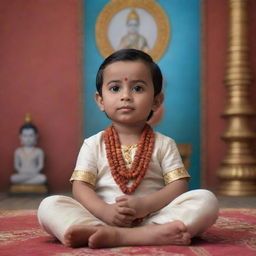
(188, 215)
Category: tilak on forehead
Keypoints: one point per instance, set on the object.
(125, 78)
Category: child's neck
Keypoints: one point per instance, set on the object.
(129, 135)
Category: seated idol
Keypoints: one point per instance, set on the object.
(28, 159)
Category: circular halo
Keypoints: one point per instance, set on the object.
(154, 15)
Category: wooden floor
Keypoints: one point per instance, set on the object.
(32, 202)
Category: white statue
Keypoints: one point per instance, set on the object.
(133, 39)
(28, 159)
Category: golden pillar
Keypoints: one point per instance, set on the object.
(237, 173)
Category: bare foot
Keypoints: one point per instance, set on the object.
(173, 233)
(78, 235)
(106, 236)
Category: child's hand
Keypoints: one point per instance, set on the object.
(135, 203)
(119, 215)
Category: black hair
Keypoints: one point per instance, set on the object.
(28, 126)
(132, 55)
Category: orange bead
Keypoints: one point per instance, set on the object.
(142, 158)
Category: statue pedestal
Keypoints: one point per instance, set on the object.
(25, 189)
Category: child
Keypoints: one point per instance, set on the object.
(129, 182)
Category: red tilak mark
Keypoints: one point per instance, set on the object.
(125, 79)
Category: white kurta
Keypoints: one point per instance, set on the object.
(92, 166)
(198, 209)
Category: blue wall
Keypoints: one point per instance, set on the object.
(180, 67)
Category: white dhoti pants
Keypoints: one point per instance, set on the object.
(197, 209)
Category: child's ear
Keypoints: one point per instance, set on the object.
(99, 101)
(158, 100)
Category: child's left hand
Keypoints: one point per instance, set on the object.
(134, 202)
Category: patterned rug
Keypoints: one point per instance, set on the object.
(233, 234)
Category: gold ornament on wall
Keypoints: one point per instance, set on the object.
(237, 173)
(139, 24)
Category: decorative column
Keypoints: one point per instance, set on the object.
(237, 173)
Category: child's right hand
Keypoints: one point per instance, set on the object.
(118, 215)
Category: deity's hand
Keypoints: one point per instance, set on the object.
(134, 202)
(119, 215)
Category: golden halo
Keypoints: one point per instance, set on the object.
(115, 6)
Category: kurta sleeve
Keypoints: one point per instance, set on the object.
(86, 164)
(172, 165)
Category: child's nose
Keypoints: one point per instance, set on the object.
(126, 94)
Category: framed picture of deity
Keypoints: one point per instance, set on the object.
(139, 24)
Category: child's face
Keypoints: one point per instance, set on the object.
(128, 92)
(28, 137)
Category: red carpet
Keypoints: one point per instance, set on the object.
(233, 234)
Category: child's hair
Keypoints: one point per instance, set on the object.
(131, 55)
(28, 126)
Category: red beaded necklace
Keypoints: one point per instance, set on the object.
(142, 157)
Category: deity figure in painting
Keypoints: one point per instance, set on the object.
(133, 39)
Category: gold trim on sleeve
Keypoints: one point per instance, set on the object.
(85, 176)
(176, 174)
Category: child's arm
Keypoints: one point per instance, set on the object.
(155, 201)
(113, 214)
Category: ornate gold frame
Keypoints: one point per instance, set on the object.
(152, 7)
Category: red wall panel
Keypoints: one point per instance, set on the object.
(40, 73)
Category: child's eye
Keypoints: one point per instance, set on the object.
(114, 88)
(138, 88)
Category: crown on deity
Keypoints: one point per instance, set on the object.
(28, 124)
(133, 15)
(28, 118)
